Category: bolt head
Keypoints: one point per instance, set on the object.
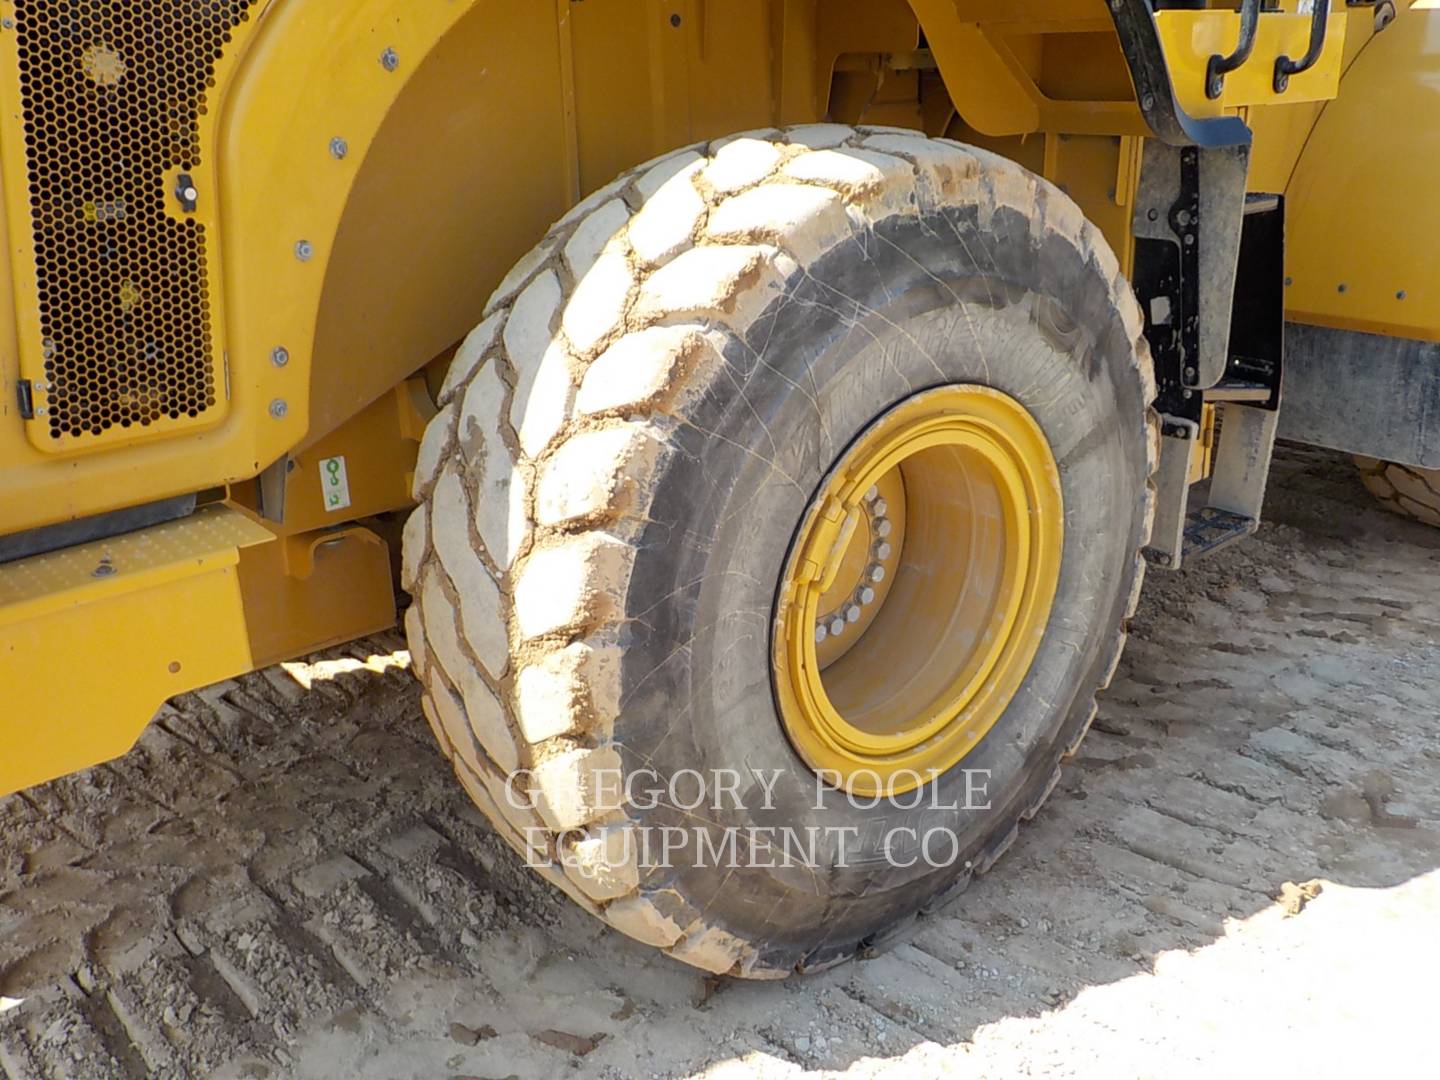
(389, 59)
(876, 573)
(278, 409)
(339, 148)
(280, 356)
(103, 570)
(1400, 295)
(821, 633)
(880, 506)
(883, 551)
(882, 527)
(867, 595)
(304, 251)
(837, 626)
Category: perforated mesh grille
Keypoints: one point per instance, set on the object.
(112, 92)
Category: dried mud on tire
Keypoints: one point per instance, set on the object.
(626, 446)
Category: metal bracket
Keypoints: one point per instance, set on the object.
(271, 482)
(1246, 395)
(1242, 460)
(1172, 491)
(1187, 224)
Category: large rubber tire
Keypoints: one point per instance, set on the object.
(626, 446)
(1402, 489)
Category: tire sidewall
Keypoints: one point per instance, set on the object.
(865, 327)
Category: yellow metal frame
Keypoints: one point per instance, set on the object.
(94, 638)
(925, 724)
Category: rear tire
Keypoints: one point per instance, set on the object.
(1402, 489)
(624, 453)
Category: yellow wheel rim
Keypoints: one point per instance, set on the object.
(918, 589)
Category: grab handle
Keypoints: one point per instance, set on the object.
(1285, 67)
(1220, 66)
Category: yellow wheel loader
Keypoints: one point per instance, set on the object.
(760, 413)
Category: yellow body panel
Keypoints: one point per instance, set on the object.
(88, 654)
(1363, 222)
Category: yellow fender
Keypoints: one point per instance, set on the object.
(316, 86)
(1362, 223)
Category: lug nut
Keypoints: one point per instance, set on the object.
(883, 551)
(882, 527)
(852, 613)
(867, 595)
(876, 573)
(837, 626)
(872, 494)
(880, 506)
(821, 633)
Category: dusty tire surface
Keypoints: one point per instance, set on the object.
(625, 447)
(1403, 489)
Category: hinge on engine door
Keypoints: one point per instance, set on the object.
(25, 399)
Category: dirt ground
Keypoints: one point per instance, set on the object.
(1239, 873)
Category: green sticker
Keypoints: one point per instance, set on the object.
(334, 483)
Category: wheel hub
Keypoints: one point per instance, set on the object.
(918, 589)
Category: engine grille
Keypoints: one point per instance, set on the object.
(112, 95)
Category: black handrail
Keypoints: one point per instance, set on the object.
(1220, 66)
(1285, 67)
